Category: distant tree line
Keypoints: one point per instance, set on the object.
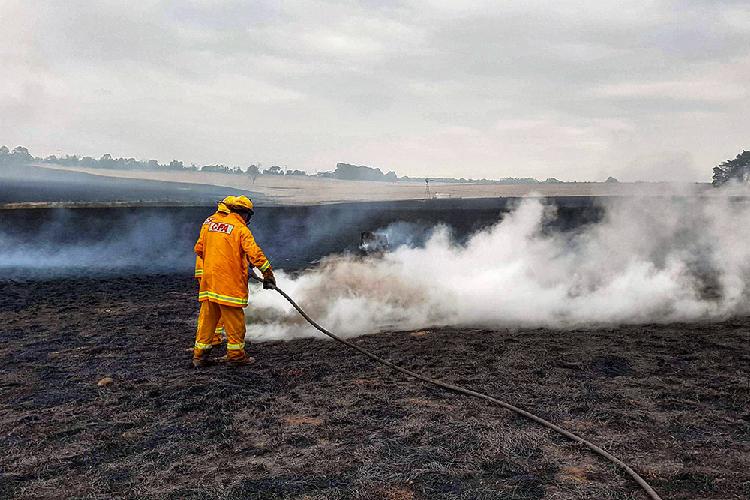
(344, 171)
(348, 172)
(737, 170)
(19, 156)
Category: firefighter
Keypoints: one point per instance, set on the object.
(219, 333)
(226, 245)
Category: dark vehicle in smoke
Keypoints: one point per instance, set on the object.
(373, 243)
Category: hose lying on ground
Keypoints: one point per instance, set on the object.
(461, 390)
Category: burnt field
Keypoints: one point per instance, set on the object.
(312, 420)
(40, 242)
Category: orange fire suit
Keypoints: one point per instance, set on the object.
(219, 332)
(225, 245)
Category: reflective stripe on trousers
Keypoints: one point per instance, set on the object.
(233, 318)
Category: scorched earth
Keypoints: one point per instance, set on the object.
(313, 420)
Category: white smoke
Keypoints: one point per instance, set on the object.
(650, 260)
(75, 244)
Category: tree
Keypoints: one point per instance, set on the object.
(253, 171)
(611, 180)
(737, 169)
(70, 160)
(106, 161)
(176, 165)
(295, 172)
(21, 155)
(88, 161)
(274, 170)
(222, 169)
(350, 172)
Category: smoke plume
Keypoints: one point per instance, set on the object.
(76, 243)
(649, 260)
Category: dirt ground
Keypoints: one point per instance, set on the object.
(312, 420)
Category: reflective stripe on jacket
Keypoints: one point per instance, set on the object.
(226, 245)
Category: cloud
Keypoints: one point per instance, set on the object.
(699, 89)
(535, 87)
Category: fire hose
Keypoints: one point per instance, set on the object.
(468, 392)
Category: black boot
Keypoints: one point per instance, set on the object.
(203, 360)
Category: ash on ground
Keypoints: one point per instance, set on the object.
(313, 420)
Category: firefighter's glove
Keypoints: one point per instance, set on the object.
(269, 281)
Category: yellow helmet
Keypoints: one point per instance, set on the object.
(225, 204)
(239, 202)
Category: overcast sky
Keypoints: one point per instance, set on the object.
(573, 90)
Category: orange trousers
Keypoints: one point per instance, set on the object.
(234, 324)
(218, 331)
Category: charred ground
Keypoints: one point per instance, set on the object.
(312, 420)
